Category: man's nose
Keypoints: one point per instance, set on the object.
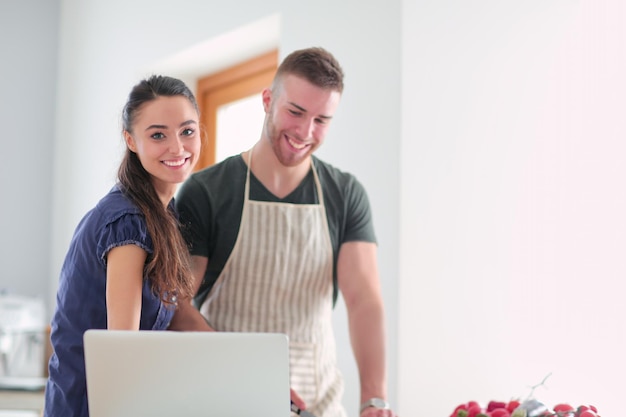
(306, 128)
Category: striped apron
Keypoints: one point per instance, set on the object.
(279, 279)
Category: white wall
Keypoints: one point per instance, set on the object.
(513, 227)
(104, 45)
(28, 69)
(511, 192)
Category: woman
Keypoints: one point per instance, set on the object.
(127, 264)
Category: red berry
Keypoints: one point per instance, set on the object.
(500, 412)
(595, 410)
(588, 413)
(473, 410)
(458, 407)
(512, 405)
(495, 404)
(562, 408)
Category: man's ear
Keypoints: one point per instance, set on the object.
(130, 142)
(267, 99)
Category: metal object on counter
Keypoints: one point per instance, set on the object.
(532, 407)
(23, 338)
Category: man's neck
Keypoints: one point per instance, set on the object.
(280, 180)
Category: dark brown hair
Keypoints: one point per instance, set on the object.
(316, 65)
(169, 266)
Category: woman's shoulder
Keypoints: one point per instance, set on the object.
(116, 204)
(113, 220)
(120, 220)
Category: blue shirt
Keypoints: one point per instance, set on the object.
(81, 298)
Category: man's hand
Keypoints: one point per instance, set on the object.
(295, 398)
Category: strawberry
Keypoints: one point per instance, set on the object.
(588, 413)
(456, 410)
(472, 404)
(495, 404)
(461, 413)
(563, 408)
(473, 410)
(512, 405)
(500, 412)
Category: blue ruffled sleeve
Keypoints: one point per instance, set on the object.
(127, 229)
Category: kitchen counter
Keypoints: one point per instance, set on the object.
(21, 400)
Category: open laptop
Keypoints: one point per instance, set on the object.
(186, 374)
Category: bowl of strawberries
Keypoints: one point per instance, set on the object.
(526, 408)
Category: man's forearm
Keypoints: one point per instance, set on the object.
(367, 336)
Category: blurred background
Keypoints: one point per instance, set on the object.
(488, 133)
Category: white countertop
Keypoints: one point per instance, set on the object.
(16, 401)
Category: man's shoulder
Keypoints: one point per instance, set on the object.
(216, 178)
(228, 166)
(330, 173)
(216, 183)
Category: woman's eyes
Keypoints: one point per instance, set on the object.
(161, 135)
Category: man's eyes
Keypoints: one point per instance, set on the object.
(318, 120)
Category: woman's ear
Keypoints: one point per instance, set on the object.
(130, 142)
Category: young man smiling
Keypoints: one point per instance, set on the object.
(276, 233)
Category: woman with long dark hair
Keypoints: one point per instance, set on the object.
(128, 267)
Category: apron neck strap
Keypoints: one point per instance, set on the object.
(318, 184)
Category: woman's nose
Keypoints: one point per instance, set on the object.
(176, 146)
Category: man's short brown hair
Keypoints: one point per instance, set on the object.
(316, 65)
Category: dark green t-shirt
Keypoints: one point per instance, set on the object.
(210, 203)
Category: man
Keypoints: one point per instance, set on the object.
(275, 233)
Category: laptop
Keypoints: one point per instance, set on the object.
(186, 374)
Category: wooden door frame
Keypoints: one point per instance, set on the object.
(231, 84)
